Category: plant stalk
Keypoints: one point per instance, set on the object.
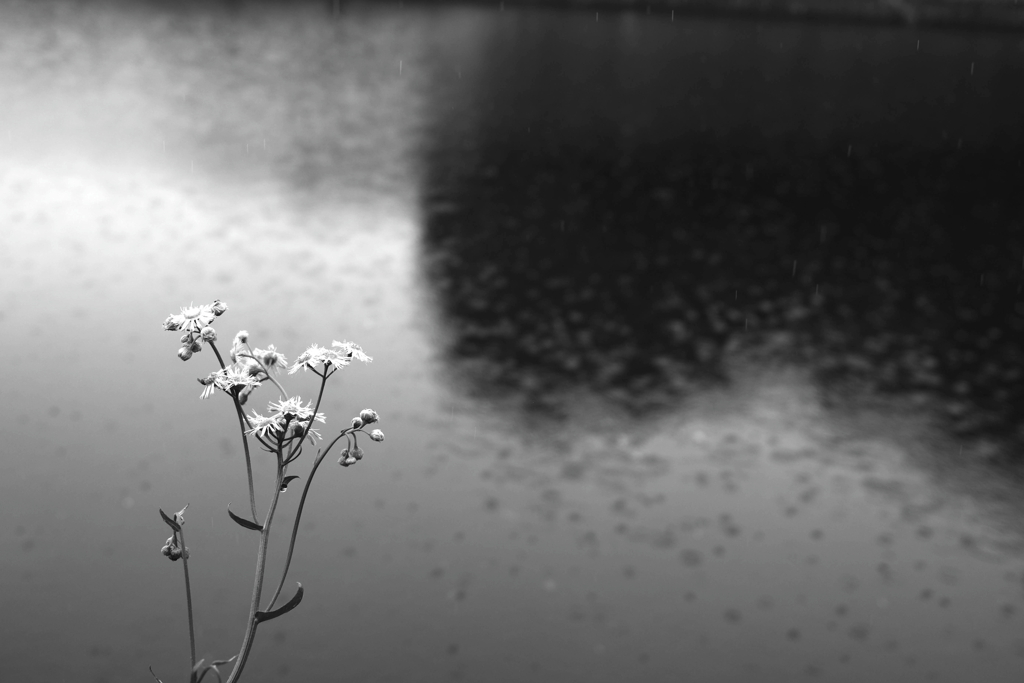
(188, 601)
(261, 564)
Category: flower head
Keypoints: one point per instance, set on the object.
(340, 356)
(261, 425)
(377, 435)
(192, 318)
(292, 408)
(227, 379)
(316, 355)
(351, 350)
(195, 322)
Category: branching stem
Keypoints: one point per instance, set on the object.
(298, 516)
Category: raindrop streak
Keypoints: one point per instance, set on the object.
(919, 45)
(794, 268)
(399, 67)
(972, 68)
(849, 151)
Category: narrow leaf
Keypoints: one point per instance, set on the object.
(220, 662)
(154, 675)
(198, 665)
(287, 607)
(242, 521)
(170, 522)
(284, 483)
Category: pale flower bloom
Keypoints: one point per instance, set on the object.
(351, 350)
(340, 356)
(236, 375)
(261, 425)
(293, 408)
(192, 319)
(316, 355)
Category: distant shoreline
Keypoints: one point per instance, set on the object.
(986, 15)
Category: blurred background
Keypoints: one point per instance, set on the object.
(696, 334)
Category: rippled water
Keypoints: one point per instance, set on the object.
(696, 344)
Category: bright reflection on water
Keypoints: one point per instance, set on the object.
(594, 469)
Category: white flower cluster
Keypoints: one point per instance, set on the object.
(195, 321)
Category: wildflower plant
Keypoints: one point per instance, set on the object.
(283, 431)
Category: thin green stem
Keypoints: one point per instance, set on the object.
(298, 516)
(188, 601)
(261, 563)
(245, 441)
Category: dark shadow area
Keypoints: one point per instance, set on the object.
(838, 205)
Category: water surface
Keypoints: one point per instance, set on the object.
(696, 343)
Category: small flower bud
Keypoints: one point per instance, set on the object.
(241, 337)
(186, 338)
(356, 423)
(166, 551)
(219, 307)
(350, 461)
(343, 461)
(184, 353)
(377, 435)
(196, 347)
(369, 416)
(209, 334)
(357, 453)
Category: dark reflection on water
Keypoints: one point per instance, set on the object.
(626, 210)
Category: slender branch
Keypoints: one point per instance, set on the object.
(261, 564)
(188, 601)
(265, 371)
(242, 421)
(248, 460)
(298, 516)
(309, 425)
